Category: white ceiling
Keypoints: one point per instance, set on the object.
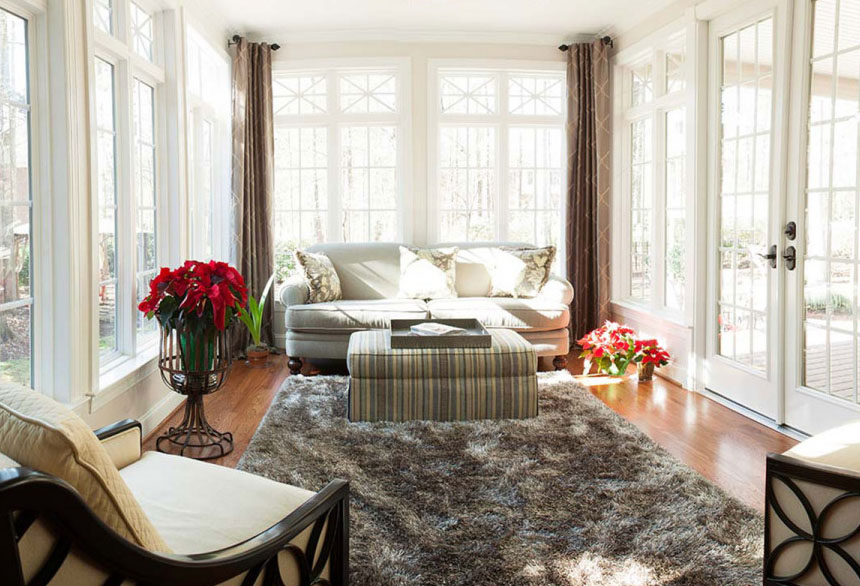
(274, 20)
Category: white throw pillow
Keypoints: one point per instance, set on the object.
(323, 282)
(428, 273)
(521, 272)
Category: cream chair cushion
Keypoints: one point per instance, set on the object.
(199, 507)
(838, 447)
(43, 435)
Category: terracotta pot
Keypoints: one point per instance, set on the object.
(257, 357)
(645, 371)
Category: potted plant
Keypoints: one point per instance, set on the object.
(649, 354)
(200, 297)
(252, 317)
(613, 347)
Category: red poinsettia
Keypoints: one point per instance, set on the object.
(613, 347)
(209, 294)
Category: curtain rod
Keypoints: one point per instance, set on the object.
(607, 40)
(235, 40)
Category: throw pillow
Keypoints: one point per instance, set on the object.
(323, 282)
(428, 273)
(521, 272)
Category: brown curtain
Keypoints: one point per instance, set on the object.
(253, 172)
(588, 173)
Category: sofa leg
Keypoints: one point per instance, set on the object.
(559, 362)
(295, 365)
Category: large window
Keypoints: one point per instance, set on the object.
(208, 93)
(340, 136)
(16, 226)
(124, 90)
(498, 155)
(654, 200)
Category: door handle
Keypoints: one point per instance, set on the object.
(771, 256)
(790, 257)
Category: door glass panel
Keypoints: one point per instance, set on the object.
(747, 105)
(831, 211)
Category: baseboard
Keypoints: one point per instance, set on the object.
(159, 412)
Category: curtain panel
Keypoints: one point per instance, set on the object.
(588, 173)
(253, 174)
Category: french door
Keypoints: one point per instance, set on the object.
(747, 73)
(783, 336)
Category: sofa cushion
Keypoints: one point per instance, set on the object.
(323, 282)
(428, 273)
(352, 315)
(534, 314)
(44, 435)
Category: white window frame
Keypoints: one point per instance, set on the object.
(653, 49)
(501, 120)
(41, 241)
(117, 49)
(333, 120)
(200, 110)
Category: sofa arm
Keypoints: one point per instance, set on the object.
(122, 441)
(557, 289)
(294, 291)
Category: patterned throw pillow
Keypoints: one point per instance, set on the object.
(521, 272)
(323, 282)
(428, 273)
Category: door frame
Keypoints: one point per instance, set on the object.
(734, 17)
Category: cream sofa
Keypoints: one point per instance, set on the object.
(812, 511)
(85, 509)
(370, 273)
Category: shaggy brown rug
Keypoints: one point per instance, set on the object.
(576, 496)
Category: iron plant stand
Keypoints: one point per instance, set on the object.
(194, 436)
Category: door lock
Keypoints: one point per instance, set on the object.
(771, 256)
(790, 257)
(790, 231)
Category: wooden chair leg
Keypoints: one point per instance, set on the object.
(559, 362)
(295, 365)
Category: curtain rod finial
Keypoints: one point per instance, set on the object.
(563, 47)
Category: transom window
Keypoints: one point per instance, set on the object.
(339, 142)
(498, 156)
(16, 203)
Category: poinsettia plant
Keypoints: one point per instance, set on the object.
(613, 347)
(205, 296)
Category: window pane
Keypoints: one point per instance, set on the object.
(300, 94)
(107, 204)
(642, 86)
(675, 72)
(641, 185)
(146, 228)
(676, 195)
(141, 32)
(465, 93)
(467, 189)
(16, 227)
(363, 93)
(368, 181)
(540, 95)
(301, 191)
(107, 319)
(103, 15)
(203, 194)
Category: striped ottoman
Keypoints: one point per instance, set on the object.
(442, 384)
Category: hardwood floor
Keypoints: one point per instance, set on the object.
(724, 446)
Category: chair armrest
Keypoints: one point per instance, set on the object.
(122, 441)
(294, 291)
(807, 503)
(45, 496)
(557, 289)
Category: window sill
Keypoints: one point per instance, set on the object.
(123, 374)
(661, 314)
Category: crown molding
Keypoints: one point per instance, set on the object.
(286, 37)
